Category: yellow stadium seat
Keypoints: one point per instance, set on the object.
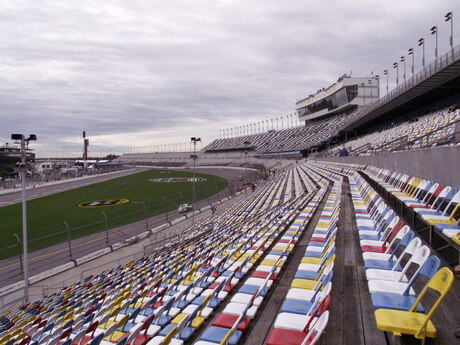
(410, 322)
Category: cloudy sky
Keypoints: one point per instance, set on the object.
(143, 73)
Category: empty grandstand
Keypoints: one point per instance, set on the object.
(355, 249)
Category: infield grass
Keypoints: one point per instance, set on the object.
(46, 215)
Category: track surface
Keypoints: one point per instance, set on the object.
(44, 259)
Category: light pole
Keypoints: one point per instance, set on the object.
(411, 52)
(194, 140)
(434, 31)
(23, 140)
(369, 82)
(377, 77)
(364, 92)
(395, 65)
(449, 17)
(403, 59)
(385, 72)
(106, 224)
(421, 42)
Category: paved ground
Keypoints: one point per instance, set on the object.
(42, 260)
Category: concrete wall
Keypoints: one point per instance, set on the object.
(440, 164)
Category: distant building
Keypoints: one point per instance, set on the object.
(346, 95)
(10, 155)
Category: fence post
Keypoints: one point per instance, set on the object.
(145, 214)
(68, 238)
(106, 228)
(20, 253)
(166, 210)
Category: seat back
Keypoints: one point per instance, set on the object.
(409, 250)
(79, 337)
(319, 306)
(441, 282)
(134, 333)
(181, 325)
(424, 186)
(91, 328)
(452, 207)
(398, 232)
(428, 269)
(123, 322)
(97, 340)
(443, 204)
(323, 281)
(407, 236)
(439, 199)
(158, 313)
(419, 258)
(315, 332)
(388, 226)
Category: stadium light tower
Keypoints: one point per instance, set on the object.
(385, 72)
(449, 17)
(194, 140)
(395, 65)
(421, 42)
(364, 93)
(377, 77)
(411, 52)
(434, 31)
(22, 167)
(403, 59)
(369, 82)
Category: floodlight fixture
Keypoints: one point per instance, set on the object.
(449, 17)
(421, 42)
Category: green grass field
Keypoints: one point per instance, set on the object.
(46, 215)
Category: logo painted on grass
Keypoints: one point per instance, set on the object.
(103, 203)
(178, 179)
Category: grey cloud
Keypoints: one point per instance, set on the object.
(118, 68)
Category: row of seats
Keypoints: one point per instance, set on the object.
(400, 271)
(292, 139)
(229, 325)
(410, 131)
(304, 313)
(388, 264)
(435, 204)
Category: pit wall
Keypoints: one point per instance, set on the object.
(439, 164)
